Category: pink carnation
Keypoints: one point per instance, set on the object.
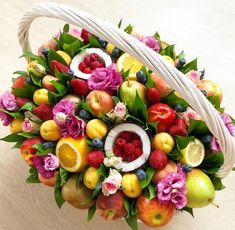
(105, 79)
(73, 127)
(151, 42)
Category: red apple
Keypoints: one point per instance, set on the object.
(211, 88)
(153, 95)
(48, 181)
(153, 213)
(111, 207)
(46, 82)
(99, 101)
(162, 87)
(160, 174)
(26, 149)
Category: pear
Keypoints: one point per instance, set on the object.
(200, 190)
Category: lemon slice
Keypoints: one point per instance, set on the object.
(193, 154)
(126, 62)
(72, 153)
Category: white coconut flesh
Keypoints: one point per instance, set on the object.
(146, 145)
(81, 56)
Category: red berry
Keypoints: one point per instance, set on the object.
(20, 101)
(178, 128)
(153, 95)
(102, 65)
(59, 66)
(19, 82)
(95, 64)
(82, 66)
(131, 157)
(129, 148)
(87, 70)
(87, 60)
(94, 57)
(79, 87)
(126, 135)
(85, 34)
(95, 158)
(138, 152)
(120, 142)
(117, 151)
(137, 143)
(158, 159)
(44, 112)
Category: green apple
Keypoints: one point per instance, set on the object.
(128, 91)
(200, 190)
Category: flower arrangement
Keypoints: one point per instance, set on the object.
(108, 134)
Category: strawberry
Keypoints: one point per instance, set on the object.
(79, 87)
(59, 66)
(158, 159)
(44, 112)
(85, 34)
(20, 101)
(95, 158)
(19, 82)
(178, 128)
(153, 95)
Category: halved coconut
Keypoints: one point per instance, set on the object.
(146, 145)
(81, 56)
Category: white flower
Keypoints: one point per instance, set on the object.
(112, 161)
(119, 112)
(60, 117)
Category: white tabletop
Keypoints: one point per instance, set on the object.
(205, 30)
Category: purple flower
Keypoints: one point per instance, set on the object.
(46, 165)
(151, 42)
(8, 101)
(172, 189)
(5, 118)
(73, 127)
(64, 108)
(105, 79)
(215, 146)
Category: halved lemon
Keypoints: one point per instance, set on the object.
(193, 154)
(126, 62)
(72, 153)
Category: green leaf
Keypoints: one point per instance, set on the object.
(189, 210)
(94, 42)
(151, 191)
(91, 213)
(60, 87)
(180, 55)
(217, 183)
(125, 74)
(80, 177)
(63, 176)
(115, 99)
(73, 48)
(212, 163)
(157, 36)
(58, 197)
(197, 127)
(28, 106)
(29, 55)
(134, 210)
(86, 107)
(39, 147)
(152, 126)
(233, 169)
(175, 155)
(139, 108)
(129, 117)
(13, 114)
(127, 206)
(28, 135)
(27, 91)
(66, 28)
(102, 171)
(132, 222)
(129, 29)
(182, 142)
(33, 178)
(36, 80)
(17, 145)
(149, 174)
(46, 151)
(169, 51)
(13, 138)
(172, 100)
(21, 72)
(120, 23)
(150, 83)
(189, 66)
(214, 100)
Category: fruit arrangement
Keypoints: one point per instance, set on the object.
(108, 134)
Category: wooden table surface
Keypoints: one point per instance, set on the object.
(205, 30)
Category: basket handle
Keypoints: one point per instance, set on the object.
(146, 56)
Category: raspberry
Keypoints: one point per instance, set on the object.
(131, 157)
(95, 158)
(120, 142)
(94, 57)
(85, 34)
(117, 151)
(138, 152)
(129, 148)
(87, 70)
(134, 136)
(102, 65)
(94, 65)
(136, 142)
(158, 159)
(126, 135)
(87, 60)
(82, 66)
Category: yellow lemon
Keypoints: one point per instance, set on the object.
(163, 141)
(72, 153)
(49, 131)
(193, 153)
(16, 125)
(126, 62)
(40, 96)
(109, 48)
(96, 128)
(91, 177)
(169, 59)
(131, 185)
(65, 56)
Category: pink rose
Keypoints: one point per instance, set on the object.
(194, 76)
(29, 126)
(5, 118)
(51, 162)
(190, 113)
(8, 101)
(105, 79)
(151, 42)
